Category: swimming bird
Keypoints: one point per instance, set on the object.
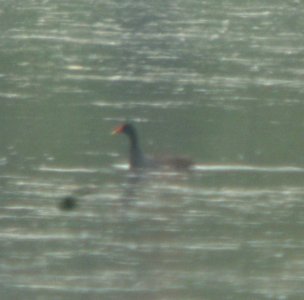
(138, 160)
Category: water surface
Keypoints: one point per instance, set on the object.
(219, 82)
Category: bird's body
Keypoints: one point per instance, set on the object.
(138, 160)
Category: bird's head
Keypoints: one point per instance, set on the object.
(126, 128)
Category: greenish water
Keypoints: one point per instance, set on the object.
(221, 82)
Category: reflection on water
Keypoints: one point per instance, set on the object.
(155, 235)
(220, 82)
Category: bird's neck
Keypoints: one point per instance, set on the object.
(136, 155)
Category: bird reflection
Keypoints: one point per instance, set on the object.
(131, 187)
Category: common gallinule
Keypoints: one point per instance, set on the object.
(138, 160)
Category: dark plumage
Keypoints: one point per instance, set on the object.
(138, 160)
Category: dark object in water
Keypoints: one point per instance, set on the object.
(68, 203)
(137, 160)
